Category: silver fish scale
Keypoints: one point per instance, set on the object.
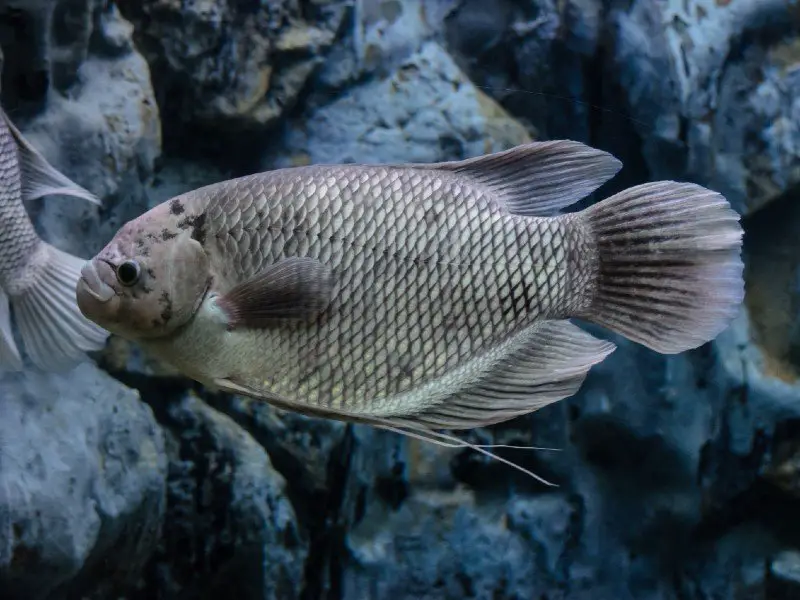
(429, 274)
(18, 238)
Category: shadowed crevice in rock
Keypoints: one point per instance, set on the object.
(229, 524)
(772, 251)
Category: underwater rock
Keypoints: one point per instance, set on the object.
(46, 43)
(228, 64)
(538, 59)
(440, 545)
(229, 528)
(785, 576)
(103, 130)
(714, 87)
(384, 33)
(427, 110)
(82, 485)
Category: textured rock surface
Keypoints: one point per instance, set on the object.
(229, 528)
(718, 84)
(426, 110)
(93, 116)
(539, 58)
(231, 66)
(679, 476)
(82, 484)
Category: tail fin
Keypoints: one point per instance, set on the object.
(670, 273)
(54, 332)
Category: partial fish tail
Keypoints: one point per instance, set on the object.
(670, 273)
(10, 359)
(54, 332)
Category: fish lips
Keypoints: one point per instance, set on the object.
(92, 283)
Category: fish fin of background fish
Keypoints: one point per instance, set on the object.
(293, 288)
(10, 359)
(39, 177)
(551, 365)
(670, 266)
(54, 332)
(538, 178)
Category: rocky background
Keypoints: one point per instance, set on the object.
(679, 477)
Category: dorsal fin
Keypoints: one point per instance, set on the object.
(538, 178)
(39, 177)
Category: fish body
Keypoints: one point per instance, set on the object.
(418, 296)
(37, 280)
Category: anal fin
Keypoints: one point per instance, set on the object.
(551, 365)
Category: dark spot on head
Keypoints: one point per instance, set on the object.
(151, 273)
(166, 313)
(199, 228)
(176, 208)
(166, 234)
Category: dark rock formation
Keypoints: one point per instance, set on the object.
(230, 67)
(229, 527)
(678, 475)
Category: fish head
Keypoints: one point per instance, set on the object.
(147, 282)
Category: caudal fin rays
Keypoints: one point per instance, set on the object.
(55, 334)
(670, 272)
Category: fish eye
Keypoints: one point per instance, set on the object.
(128, 272)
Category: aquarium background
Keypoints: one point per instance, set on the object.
(678, 476)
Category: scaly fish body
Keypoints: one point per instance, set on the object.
(18, 238)
(417, 296)
(36, 279)
(418, 290)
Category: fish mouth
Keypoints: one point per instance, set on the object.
(93, 285)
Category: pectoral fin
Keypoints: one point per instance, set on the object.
(295, 288)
